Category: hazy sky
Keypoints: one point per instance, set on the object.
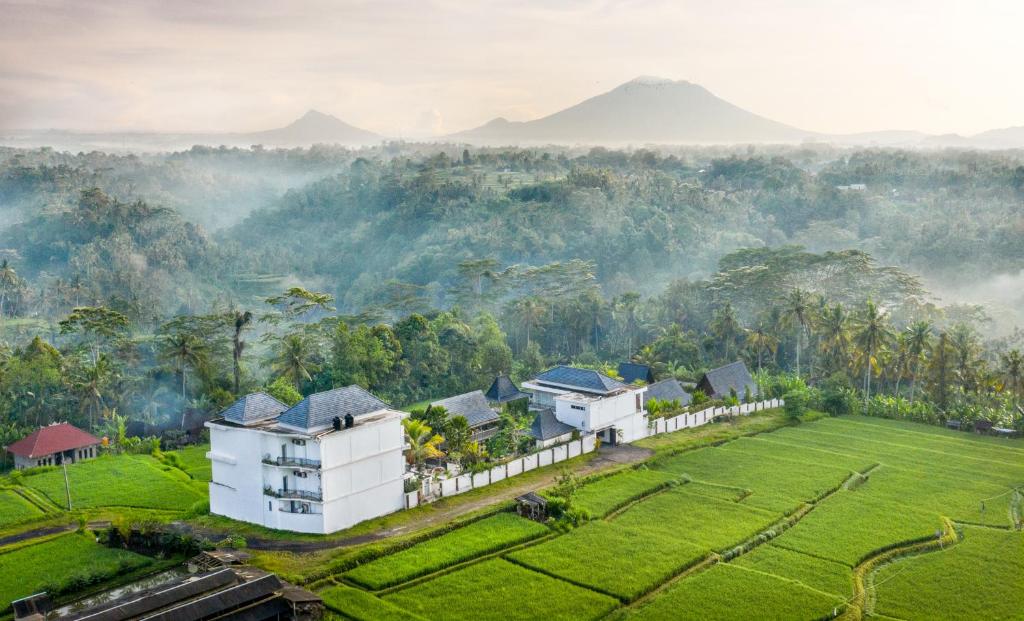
(431, 66)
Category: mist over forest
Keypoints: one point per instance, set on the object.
(522, 257)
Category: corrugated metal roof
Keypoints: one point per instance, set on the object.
(472, 405)
(587, 380)
(319, 409)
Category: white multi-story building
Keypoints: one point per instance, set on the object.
(323, 465)
(591, 402)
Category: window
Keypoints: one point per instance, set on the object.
(270, 505)
(638, 404)
(578, 407)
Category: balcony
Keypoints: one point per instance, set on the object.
(292, 462)
(299, 509)
(300, 494)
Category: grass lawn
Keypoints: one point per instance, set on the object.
(726, 592)
(477, 539)
(982, 577)
(817, 573)
(64, 563)
(119, 481)
(361, 606)
(501, 591)
(15, 509)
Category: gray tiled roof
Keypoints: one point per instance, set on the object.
(668, 390)
(503, 389)
(472, 405)
(319, 409)
(718, 382)
(545, 426)
(253, 407)
(585, 380)
(631, 372)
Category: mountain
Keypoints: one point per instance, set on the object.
(313, 127)
(644, 110)
(1006, 138)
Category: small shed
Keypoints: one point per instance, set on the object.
(54, 445)
(532, 506)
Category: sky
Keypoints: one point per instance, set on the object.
(428, 67)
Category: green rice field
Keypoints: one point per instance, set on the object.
(59, 564)
(138, 481)
(15, 509)
(776, 526)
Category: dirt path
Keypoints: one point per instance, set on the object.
(49, 530)
(608, 457)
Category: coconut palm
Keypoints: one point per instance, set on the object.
(760, 340)
(918, 341)
(871, 334)
(796, 309)
(726, 328)
(294, 359)
(242, 319)
(1013, 371)
(423, 442)
(834, 326)
(8, 283)
(185, 350)
(530, 312)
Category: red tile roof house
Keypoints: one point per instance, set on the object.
(54, 445)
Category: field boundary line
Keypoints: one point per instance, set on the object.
(549, 574)
(341, 579)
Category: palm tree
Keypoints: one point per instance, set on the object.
(726, 328)
(964, 341)
(8, 282)
(870, 335)
(1013, 371)
(918, 340)
(242, 320)
(294, 359)
(797, 311)
(423, 442)
(530, 312)
(185, 350)
(834, 324)
(92, 382)
(760, 341)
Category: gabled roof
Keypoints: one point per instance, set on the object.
(545, 426)
(533, 498)
(52, 439)
(586, 380)
(253, 407)
(472, 405)
(631, 372)
(319, 409)
(503, 390)
(731, 376)
(668, 390)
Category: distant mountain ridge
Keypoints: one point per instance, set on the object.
(644, 110)
(310, 128)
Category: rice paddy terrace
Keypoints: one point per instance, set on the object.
(849, 517)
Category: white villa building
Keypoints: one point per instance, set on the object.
(323, 465)
(591, 402)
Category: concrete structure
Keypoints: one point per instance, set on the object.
(54, 445)
(323, 465)
(592, 402)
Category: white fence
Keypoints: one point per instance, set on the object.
(434, 489)
(696, 419)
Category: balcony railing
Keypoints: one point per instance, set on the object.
(299, 509)
(300, 494)
(292, 462)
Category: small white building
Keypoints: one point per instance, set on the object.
(591, 402)
(323, 465)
